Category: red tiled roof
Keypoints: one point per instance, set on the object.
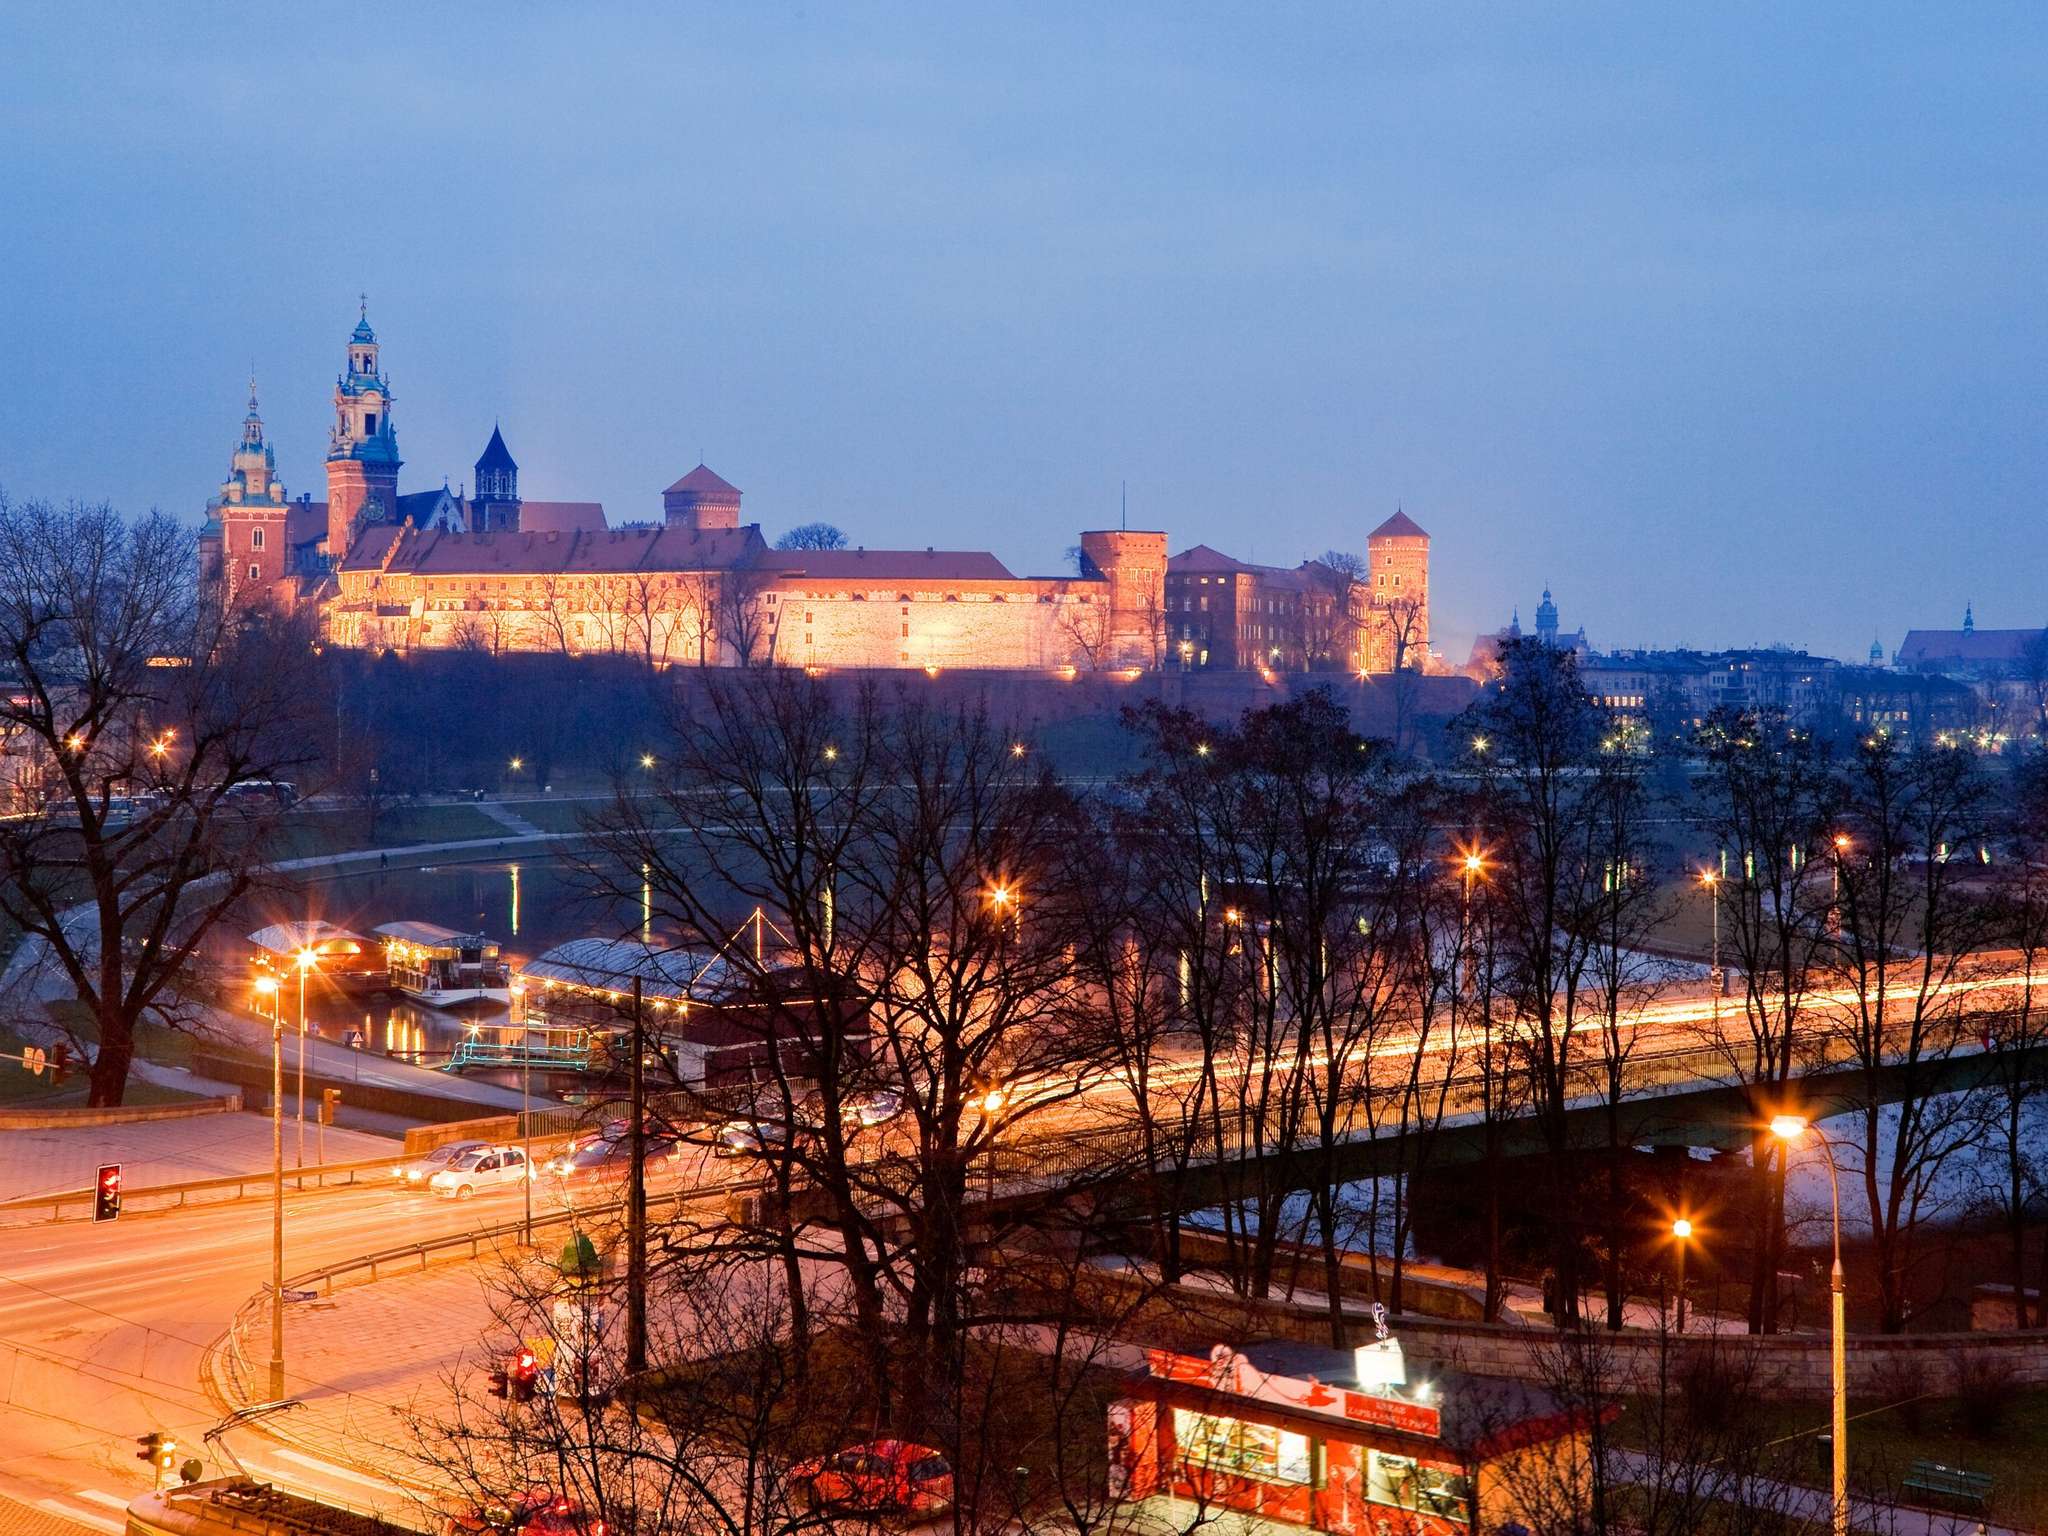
(890, 564)
(561, 517)
(1202, 558)
(1399, 526)
(705, 482)
(428, 552)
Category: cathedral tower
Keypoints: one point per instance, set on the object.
(251, 511)
(495, 508)
(362, 451)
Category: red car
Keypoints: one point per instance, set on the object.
(879, 1476)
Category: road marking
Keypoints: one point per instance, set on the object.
(333, 1471)
(97, 1497)
(79, 1516)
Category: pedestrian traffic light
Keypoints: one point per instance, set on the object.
(106, 1195)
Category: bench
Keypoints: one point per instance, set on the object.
(1949, 1483)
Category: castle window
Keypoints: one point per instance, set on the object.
(369, 423)
(255, 573)
(255, 538)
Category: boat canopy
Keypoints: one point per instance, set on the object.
(431, 936)
(316, 934)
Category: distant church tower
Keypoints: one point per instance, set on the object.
(251, 511)
(495, 508)
(362, 451)
(1546, 620)
(703, 500)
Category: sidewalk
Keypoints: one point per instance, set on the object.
(165, 1151)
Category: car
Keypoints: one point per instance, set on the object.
(417, 1172)
(483, 1167)
(750, 1137)
(603, 1157)
(879, 1477)
(871, 1109)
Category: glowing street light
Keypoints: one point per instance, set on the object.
(1710, 882)
(1681, 1234)
(1791, 1130)
(303, 962)
(518, 763)
(646, 759)
(1017, 749)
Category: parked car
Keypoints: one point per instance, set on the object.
(417, 1172)
(484, 1167)
(879, 1477)
(871, 1109)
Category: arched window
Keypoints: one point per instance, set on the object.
(255, 538)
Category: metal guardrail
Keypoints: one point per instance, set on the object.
(231, 1347)
(317, 1176)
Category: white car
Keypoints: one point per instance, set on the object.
(480, 1168)
(415, 1174)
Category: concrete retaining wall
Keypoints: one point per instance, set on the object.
(128, 1114)
(1793, 1366)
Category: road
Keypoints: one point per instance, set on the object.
(105, 1329)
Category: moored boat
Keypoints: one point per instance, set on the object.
(441, 967)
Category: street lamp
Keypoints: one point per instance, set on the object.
(1681, 1234)
(525, 1103)
(276, 1204)
(266, 987)
(305, 960)
(1841, 847)
(1789, 1129)
(1710, 882)
(991, 1105)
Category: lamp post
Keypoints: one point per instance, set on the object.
(306, 960)
(1841, 847)
(525, 1105)
(991, 1106)
(1789, 1129)
(276, 1208)
(1681, 1234)
(1711, 883)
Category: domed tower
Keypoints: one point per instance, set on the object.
(362, 449)
(1546, 620)
(250, 511)
(496, 506)
(1877, 653)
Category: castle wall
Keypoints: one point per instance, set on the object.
(1027, 624)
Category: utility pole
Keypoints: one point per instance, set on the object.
(636, 1200)
(277, 1210)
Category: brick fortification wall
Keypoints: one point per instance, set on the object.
(1028, 698)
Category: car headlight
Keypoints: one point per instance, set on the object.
(398, 1173)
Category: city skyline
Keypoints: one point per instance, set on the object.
(1612, 310)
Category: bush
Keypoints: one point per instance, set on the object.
(1901, 1381)
(1986, 1387)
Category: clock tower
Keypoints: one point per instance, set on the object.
(362, 449)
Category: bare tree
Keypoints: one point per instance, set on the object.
(812, 536)
(153, 708)
(740, 617)
(1085, 627)
(1908, 933)
(1769, 795)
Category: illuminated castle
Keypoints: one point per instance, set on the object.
(495, 572)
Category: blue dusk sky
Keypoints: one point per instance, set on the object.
(1726, 322)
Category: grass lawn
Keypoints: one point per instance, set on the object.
(1884, 1445)
(153, 1042)
(305, 834)
(558, 815)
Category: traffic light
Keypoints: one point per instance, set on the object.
(499, 1385)
(159, 1450)
(106, 1195)
(330, 1101)
(60, 1061)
